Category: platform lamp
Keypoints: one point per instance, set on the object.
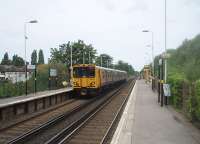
(152, 50)
(25, 38)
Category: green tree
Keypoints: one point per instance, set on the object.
(125, 67)
(105, 59)
(18, 61)
(40, 57)
(79, 51)
(34, 57)
(6, 60)
(184, 60)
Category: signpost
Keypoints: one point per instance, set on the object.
(33, 67)
(167, 91)
(53, 72)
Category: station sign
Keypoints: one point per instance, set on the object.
(160, 62)
(165, 55)
(53, 72)
(31, 67)
(167, 91)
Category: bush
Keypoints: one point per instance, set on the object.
(175, 81)
(8, 89)
(196, 101)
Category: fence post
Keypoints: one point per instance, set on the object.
(35, 78)
(49, 82)
(159, 83)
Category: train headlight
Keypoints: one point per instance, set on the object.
(75, 83)
(92, 84)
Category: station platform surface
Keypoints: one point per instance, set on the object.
(19, 99)
(145, 122)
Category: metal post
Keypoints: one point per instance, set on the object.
(165, 78)
(49, 82)
(71, 69)
(159, 78)
(56, 82)
(83, 55)
(153, 74)
(25, 38)
(89, 57)
(166, 100)
(152, 46)
(71, 56)
(165, 40)
(35, 78)
(101, 61)
(152, 52)
(161, 85)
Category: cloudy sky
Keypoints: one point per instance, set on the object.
(112, 26)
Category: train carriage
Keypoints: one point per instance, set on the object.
(90, 79)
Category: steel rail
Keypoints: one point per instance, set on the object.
(69, 131)
(35, 131)
(117, 116)
(67, 102)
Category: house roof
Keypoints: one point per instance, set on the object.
(11, 68)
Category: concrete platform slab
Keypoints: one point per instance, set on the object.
(20, 99)
(145, 122)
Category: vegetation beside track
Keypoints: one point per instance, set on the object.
(9, 89)
(184, 77)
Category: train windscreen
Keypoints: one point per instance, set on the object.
(79, 72)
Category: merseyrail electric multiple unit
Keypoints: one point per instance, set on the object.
(91, 79)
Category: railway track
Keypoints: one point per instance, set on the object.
(46, 132)
(54, 126)
(98, 125)
(7, 135)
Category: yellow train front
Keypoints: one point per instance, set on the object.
(89, 79)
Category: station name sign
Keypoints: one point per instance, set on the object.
(31, 67)
(53, 72)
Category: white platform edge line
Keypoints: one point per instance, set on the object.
(116, 136)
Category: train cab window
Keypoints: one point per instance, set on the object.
(79, 72)
(91, 71)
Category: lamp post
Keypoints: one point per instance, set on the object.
(165, 62)
(148, 56)
(152, 48)
(165, 78)
(25, 38)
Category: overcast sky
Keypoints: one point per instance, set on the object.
(111, 26)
